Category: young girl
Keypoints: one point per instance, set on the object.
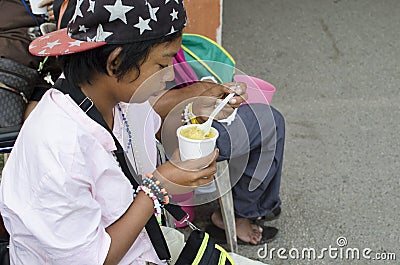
(64, 198)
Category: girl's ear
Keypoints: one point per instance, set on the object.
(113, 61)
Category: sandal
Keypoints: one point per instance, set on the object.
(268, 235)
(268, 217)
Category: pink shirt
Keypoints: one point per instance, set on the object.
(62, 187)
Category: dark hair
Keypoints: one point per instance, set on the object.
(80, 68)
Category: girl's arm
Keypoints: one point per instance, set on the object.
(177, 177)
(126, 229)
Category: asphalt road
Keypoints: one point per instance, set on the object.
(336, 67)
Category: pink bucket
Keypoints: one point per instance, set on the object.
(186, 201)
(258, 90)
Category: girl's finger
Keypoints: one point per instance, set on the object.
(204, 181)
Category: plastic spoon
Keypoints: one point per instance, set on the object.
(205, 127)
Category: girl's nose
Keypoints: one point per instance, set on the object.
(168, 74)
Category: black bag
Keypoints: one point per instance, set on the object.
(17, 82)
(202, 249)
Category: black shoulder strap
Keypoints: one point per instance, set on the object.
(152, 227)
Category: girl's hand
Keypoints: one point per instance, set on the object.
(240, 90)
(211, 97)
(183, 176)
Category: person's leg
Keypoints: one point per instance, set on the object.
(251, 135)
(254, 144)
(249, 144)
(265, 198)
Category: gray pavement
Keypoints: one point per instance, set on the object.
(335, 65)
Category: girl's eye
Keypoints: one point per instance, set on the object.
(162, 66)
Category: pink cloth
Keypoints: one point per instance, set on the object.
(184, 74)
(62, 187)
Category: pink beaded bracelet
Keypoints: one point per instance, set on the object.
(157, 205)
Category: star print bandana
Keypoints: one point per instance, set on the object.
(100, 22)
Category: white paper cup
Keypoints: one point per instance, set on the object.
(36, 9)
(192, 149)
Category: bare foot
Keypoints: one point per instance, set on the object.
(245, 230)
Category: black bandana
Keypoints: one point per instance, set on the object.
(100, 22)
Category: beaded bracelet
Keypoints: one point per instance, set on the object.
(156, 187)
(187, 115)
(157, 205)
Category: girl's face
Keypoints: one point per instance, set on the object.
(154, 73)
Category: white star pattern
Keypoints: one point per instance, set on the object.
(174, 14)
(52, 44)
(75, 43)
(102, 35)
(42, 52)
(83, 28)
(143, 25)
(118, 11)
(172, 30)
(78, 11)
(153, 12)
(91, 7)
(91, 39)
